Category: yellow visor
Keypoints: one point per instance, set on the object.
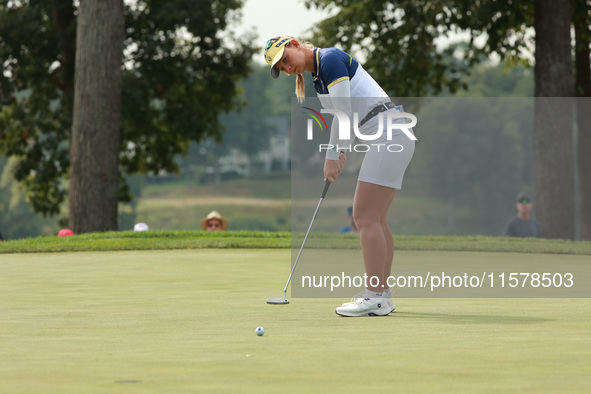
(274, 52)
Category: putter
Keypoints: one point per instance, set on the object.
(284, 300)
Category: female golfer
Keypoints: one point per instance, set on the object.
(342, 84)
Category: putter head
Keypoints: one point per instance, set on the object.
(277, 301)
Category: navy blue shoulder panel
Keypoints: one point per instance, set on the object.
(332, 66)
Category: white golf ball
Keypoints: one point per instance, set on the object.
(259, 331)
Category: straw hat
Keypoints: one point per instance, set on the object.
(214, 215)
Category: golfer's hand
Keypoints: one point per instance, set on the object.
(332, 168)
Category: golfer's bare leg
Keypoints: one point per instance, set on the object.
(389, 242)
(370, 208)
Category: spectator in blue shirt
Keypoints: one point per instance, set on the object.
(352, 228)
(523, 225)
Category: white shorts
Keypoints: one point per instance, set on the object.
(386, 160)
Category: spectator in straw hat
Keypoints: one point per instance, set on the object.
(214, 222)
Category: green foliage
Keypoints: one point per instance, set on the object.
(36, 96)
(398, 39)
(180, 76)
(180, 72)
(17, 219)
(505, 24)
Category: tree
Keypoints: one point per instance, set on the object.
(553, 143)
(96, 126)
(398, 40)
(180, 72)
(582, 22)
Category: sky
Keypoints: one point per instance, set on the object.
(271, 18)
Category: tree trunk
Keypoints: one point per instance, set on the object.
(553, 139)
(583, 89)
(96, 128)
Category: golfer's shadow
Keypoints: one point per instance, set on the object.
(471, 319)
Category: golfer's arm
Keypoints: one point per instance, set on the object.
(340, 94)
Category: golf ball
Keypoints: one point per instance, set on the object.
(259, 331)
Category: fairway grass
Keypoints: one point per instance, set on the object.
(183, 321)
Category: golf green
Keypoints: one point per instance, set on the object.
(183, 322)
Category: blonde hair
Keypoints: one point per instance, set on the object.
(300, 90)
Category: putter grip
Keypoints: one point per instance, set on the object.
(326, 185)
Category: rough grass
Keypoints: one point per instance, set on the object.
(153, 240)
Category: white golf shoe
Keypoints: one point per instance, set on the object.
(388, 298)
(364, 307)
(355, 297)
